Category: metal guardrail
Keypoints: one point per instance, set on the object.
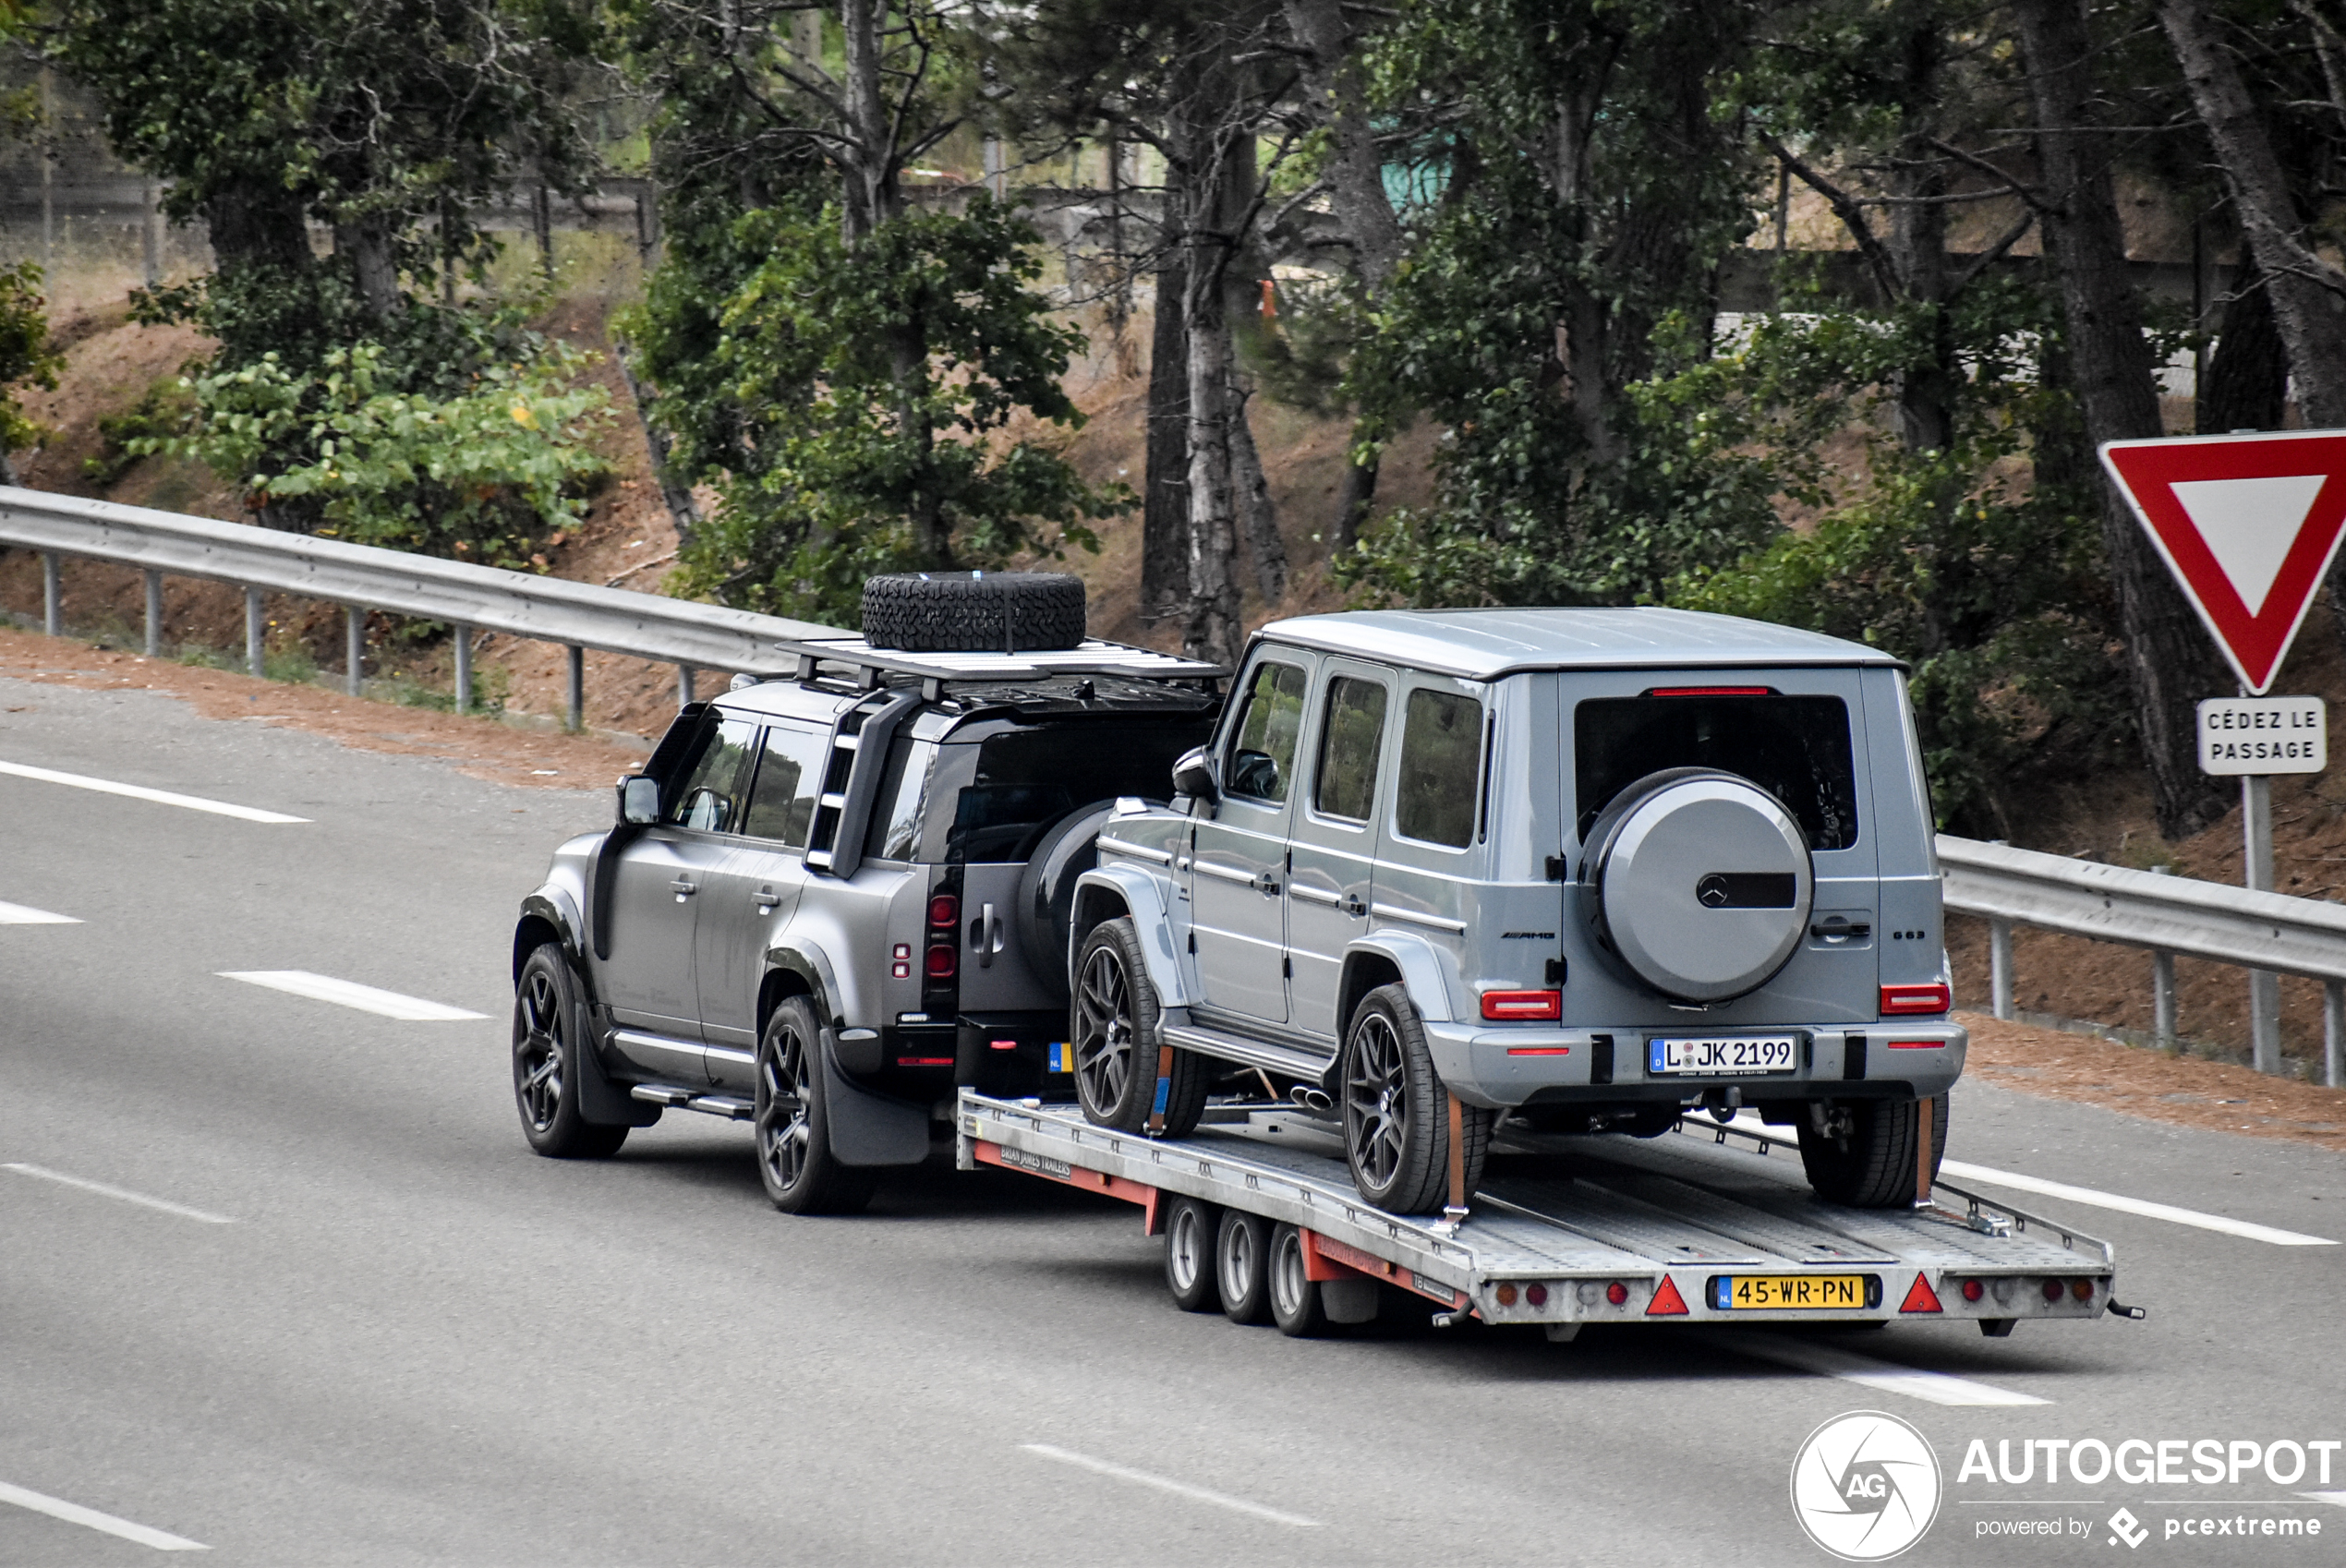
(2166, 915)
(361, 577)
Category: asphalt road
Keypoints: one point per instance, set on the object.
(376, 1329)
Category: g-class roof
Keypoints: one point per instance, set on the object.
(1482, 645)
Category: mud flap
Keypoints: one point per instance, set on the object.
(603, 1102)
(868, 1128)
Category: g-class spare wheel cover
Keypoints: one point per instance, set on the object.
(1699, 881)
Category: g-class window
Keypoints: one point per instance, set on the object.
(1796, 748)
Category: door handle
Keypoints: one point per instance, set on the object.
(1354, 905)
(684, 888)
(986, 935)
(1265, 883)
(766, 898)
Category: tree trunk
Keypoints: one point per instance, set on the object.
(367, 247)
(868, 159)
(1214, 626)
(1264, 548)
(2167, 652)
(2304, 289)
(2248, 375)
(257, 227)
(1352, 499)
(1164, 500)
(1355, 167)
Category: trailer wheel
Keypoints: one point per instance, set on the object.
(1295, 1296)
(1397, 1125)
(1242, 1273)
(1114, 1028)
(1872, 1165)
(1189, 1227)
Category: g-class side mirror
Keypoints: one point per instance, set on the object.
(638, 800)
(1194, 776)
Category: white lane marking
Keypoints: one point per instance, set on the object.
(2092, 1196)
(141, 793)
(1829, 1361)
(2097, 1199)
(90, 1518)
(23, 914)
(125, 1194)
(1165, 1483)
(350, 993)
(2338, 1498)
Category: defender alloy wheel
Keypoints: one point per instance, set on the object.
(1113, 1025)
(545, 1046)
(791, 1125)
(1396, 1123)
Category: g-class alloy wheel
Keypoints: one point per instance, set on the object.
(1113, 1025)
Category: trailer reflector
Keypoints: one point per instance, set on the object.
(1921, 1298)
(1666, 1302)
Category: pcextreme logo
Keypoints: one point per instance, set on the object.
(1865, 1485)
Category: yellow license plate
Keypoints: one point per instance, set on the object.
(1776, 1293)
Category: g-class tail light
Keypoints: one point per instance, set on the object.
(1907, 1000)
(1518, 1006)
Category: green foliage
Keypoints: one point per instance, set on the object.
(26, 356)
(162, 411)
(882, 377)
(1981, 564)
(486, 475)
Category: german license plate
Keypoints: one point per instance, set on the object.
(1722, 1058)
(1777, 1292)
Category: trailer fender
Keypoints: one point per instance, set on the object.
(1099, 895)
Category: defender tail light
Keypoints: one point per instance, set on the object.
(1910, 999)
(944, 912)
(1518, 1006)
(942, 962)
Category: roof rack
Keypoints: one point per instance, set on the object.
(1092, 656)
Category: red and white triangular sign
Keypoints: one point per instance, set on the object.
(2247, 523)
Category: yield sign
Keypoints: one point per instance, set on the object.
(2247, 523)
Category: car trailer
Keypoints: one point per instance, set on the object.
(1260, 1217)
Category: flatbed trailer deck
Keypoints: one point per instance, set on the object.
(1699, 1225)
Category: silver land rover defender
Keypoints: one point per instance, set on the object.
(832, 897)
(1584, 869)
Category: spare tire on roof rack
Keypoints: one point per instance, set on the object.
(973, 611)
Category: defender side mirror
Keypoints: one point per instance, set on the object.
(1194, 776)
(638, 800)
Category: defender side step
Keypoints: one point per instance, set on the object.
(724, 1105)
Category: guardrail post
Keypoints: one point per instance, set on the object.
(52, 594)
(252, 631)
(2000, 968)
(354, 647)
(2163, 997)
(683, 685)
(577, 688)
(2333, 1029)
(154, 614)
(463, 670)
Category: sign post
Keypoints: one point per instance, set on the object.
(2248, 524)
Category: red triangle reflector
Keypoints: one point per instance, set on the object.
(1922, 1299)
(1666, 1302)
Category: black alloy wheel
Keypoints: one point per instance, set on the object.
(1396, 1123)
(790, 1123)
(1113, 1024)
(547, 1021)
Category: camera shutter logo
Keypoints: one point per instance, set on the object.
(1865, 1485)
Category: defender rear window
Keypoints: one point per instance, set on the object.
(1010, 788)
(1796, 748)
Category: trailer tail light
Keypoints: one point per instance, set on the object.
(1906, 1000)
(1973, 1290)
(1538, 1294)
(942, 962)
(2053, 1290)
(2082, 1289)
(1616, 1293)
(1506, 1293)
(1522, 1006)
(945, 911)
